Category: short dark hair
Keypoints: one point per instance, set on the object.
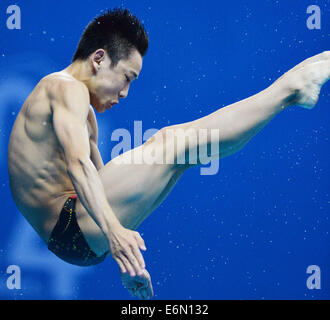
(116, 31)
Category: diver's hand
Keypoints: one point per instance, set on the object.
(125, 248)
(139, 286)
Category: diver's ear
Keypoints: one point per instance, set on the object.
(96, 59)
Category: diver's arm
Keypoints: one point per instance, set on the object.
(70, 108)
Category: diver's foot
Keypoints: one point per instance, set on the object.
(306, 80)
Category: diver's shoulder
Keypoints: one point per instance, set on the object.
(62, 78)
(59, 83)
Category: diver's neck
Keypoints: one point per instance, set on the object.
(80, 70)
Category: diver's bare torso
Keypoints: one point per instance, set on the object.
(38, 174)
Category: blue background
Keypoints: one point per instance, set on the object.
(248, 232)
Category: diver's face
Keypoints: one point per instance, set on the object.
(111, 83)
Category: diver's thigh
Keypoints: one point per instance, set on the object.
(132, 189)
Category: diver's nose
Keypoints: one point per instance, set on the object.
(123, 94)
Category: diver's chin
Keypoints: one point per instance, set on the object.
(101, 109)
(96, 104)
(98, 108)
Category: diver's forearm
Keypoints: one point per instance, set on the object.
(91, 193)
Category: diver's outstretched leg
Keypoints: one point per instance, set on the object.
(239, 122)
(135, 188)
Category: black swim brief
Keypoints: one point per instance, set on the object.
(67, 241)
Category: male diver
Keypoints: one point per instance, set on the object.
(85, 210)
